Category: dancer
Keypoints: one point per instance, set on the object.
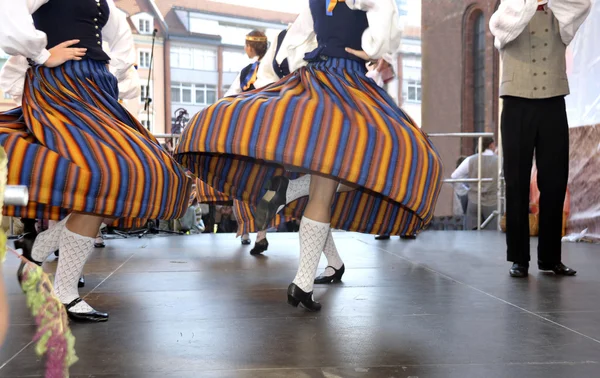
(532, 37)
(82, 155)
(256, 47)
(329, 120)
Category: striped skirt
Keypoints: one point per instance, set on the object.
(77, 149)
(327, 118)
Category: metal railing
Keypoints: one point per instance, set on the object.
(479, 180)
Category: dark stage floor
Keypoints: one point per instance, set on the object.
(442, 306)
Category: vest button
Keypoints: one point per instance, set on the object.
(544, 59)
(546, 30)
(98, 42)
(95, 20)
(544, 72)
(96, 26)
(535, 88)
(546, 44)
(97, 35)
(533, 60)
(544, 88)
(533, 32)
(535, 74)
(533, 46)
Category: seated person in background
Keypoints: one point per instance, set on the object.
(489, 189)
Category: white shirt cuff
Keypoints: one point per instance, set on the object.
(43, 57)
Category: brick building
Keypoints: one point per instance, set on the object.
(460, 78)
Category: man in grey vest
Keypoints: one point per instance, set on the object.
(532, 36)
(489, 196)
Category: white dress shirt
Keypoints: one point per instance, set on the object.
(513, 16)
(20, 38)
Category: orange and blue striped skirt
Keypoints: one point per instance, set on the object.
(326, 118)
(78, 149)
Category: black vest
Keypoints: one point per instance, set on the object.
(63, 20)
(344, 28)
(282, 69)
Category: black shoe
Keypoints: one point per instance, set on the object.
(99, 245)
(519, 270)
(408, 237)
(336, 277)
(25, 243)
(269, 205)
(89, 317)
(260, 247)
(245, 241)
(559, 269)
(56, 253)
(297, 296)
(382, 237)
(81, 282)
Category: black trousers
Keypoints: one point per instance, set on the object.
(540, 126)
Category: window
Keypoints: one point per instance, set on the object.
(144, 26)
(146, 123)
(205, 60)
(203, 94)
(234, 61)
(144, 61)
(479, 74)
(199, 59)
(412, 90)
(145, 92)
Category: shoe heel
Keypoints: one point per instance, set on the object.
(293, 301)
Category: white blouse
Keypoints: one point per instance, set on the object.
(20, 38)
(381, 37)
(513, 16)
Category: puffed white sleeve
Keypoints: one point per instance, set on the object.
(384, 33)
(117, 34)
(299, 40)
(511, 18)
(18, 35)
(12, 77)
(236, 87)
(570, 15)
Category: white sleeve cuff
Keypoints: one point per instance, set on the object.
(43, 57)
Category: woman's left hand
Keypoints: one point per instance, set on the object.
(359, 53)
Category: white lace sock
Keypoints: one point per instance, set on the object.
(333, 258)
(313, 236)
(74, 252)
(260, 235)
(47, 242)
(245, 237)
(298, 188)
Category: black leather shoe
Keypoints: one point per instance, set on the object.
(274, 198)
(99, 245)
(559, 269)
(382, 237)
(245, 241)
(25, 243)
(87, 317)
(297, 296)
(56, 253)
(336, 277)
(408, 237)
(81, 282)
(519, 270)
(260, 247)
